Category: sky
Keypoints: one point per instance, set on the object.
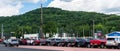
(16, 7)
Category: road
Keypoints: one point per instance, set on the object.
(2, 48)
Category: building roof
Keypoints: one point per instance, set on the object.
(114, 34)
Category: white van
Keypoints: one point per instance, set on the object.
(113, 39)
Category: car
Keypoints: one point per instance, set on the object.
(1, 40)
(43, 42)
(36, 42)
(23, 42)
(30, 41)
(87, 42)
(101, 42)
(64, 42)
(11, 42)
(112, 42)
(77, 42)
(53, 41)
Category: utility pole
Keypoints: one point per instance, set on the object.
(83, 33)
(93, 29)
(41, 25)
(2, 32)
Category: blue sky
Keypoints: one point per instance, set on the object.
(31, 6)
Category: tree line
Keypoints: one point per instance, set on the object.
(62, 21)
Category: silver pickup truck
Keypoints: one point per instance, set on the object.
(11, 42)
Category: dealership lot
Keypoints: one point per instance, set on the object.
(50, 48)
(3, 48)
(68, 48)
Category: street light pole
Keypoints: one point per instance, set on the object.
(83, 33)
(41, 26)
(2, 32)
(93, 29)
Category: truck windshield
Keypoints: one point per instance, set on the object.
(14, 40)
(110, 38)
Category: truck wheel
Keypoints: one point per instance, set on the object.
(102, 46)
(68, 45)
(59, 44)
(118, 46)
(33, 43)
(9, 45)
(48, 44)
(5, 45)
(17, 45)
(78, 45)
(88, 46)
(40, 44)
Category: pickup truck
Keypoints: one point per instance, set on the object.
(54, 41)
(11, 42)
(23, 42)
(78, 42)
(98, 43)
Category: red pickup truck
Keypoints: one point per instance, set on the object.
(98, 43)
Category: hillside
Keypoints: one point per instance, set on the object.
(65, 21)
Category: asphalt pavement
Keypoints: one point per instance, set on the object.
(3, 48)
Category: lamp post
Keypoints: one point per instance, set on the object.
(83, 33)
(41, 24)
(2, 32)
(93, 29)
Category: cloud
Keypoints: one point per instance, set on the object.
(12, 7)
(101, 6)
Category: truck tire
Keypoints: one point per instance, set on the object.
(118, 46)
(78, 45)
(102, 46)
(33, 44)
(48, 44)
(9, 45)
(5, 45)
(17, 45)
(68, 45)
(59, 44)
(88, 46)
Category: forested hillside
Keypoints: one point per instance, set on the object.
(57, 20)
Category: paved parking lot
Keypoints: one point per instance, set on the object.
(51, 48)
(3, 48)
(68, 48)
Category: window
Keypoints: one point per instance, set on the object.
(13, 40)
(110, 38)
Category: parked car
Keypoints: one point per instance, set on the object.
(54, 41)
(1, 40)
(43, 42)
(23, 41)
(87, 42)
(64, 42)
(30, 41)
(113, 42)
(11, 42)
(77, 42)
(98, 43)
(35, 42)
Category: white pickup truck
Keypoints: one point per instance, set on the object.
(113, 40)
(11, 42)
